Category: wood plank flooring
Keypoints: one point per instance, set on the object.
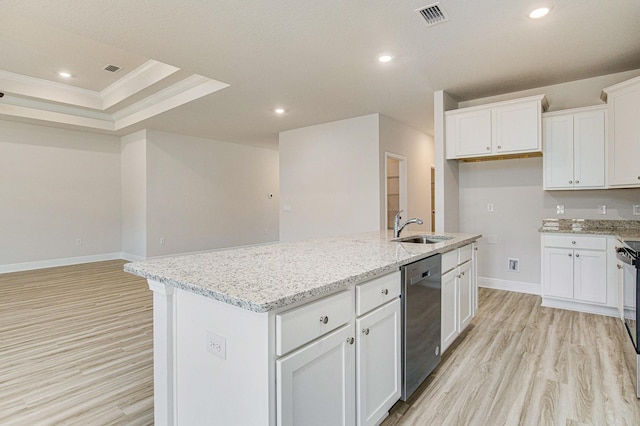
(76, 347)
(523, 364)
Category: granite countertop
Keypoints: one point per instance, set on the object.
(266, 277)
(622, 229)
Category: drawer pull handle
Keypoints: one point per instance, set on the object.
(573, 242)
(350, 340)
(385, 291)
(324, 319)
(365, 331)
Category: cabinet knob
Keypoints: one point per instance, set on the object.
(489, 149)
(458, 276)
(462, 273)
(577, 254)
(324, 319)
(577, 181)
(499, 146)
(573, 242)
(385, 291)
(350, 340)
(365, 331)
(570, 255)
(638, 177)
(619, 266)
(570, 181)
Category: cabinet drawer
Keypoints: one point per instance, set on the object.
(576, 241)
(464, 254)
(377, 292)
(449, 260)
(298, 326)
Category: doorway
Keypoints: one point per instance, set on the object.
(395, 186)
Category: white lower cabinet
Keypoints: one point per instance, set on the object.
(341, 361)
(315, 384)
(378, 368)
(575, 274)
(458, 293)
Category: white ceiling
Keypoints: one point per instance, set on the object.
(317, 58)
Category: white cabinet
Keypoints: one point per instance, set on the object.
(337, 374)
(458, 293)
(575, 273)
(378, 348)
(574, 149)
(315, 384)
(378, 365)
(623, 101)
(503, 128)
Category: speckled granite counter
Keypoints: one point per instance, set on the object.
(623, 229)
(266, 277)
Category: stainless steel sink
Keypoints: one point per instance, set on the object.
(423, 239)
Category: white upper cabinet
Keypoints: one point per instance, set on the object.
(623, 101)
(502, 128)
(574, 148)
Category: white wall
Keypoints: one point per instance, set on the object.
(57, 186)
(204, 194)
(133, 155)
(447, 195)
(330, 177)
(514, 187)
(417, 147)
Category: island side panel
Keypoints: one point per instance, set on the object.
(229, 383)
(163, 349)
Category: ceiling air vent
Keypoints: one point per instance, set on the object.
(112, 68)
(433, 14)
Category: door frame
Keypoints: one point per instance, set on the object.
(402, 185)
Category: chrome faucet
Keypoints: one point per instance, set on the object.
(397, 228)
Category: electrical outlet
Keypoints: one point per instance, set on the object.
(490, 207)
(602, 209)
(162, 241)
(78, 241)
(559, 209)
(217, 345)
(636, 209)
(514, 265)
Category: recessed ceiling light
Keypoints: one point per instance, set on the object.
(279, 110)
(385, 58)
(539, 13)
(64, 74)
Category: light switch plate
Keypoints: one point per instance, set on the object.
(636, 209)
(560, 209)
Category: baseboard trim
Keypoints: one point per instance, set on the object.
(52, 263)
(580, 307)
(132, 257)
(517, 286)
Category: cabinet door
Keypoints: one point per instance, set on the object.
(449, 325)
(470, 133)
(589, 149)
(316, 384)
(557, 272)
(378, 374)
(465, 293)
(590, 276)
(517, 128)
(624, 140)
(558, 151)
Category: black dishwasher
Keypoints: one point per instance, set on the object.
(421, 301)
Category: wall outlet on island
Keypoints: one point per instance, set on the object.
(602, 209)
(216, 345)
(636, 209)
(560, 209)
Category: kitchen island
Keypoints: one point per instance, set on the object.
(224, 321)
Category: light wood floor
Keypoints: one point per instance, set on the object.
(523, 364)
(76, 347)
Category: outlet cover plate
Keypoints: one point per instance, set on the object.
(636, 209)
(602, 209)
(216, 345)
(560, 209)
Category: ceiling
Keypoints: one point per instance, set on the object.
(316, 59)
